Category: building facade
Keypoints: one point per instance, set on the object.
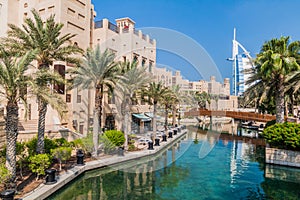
(121, 38)
(78, 18)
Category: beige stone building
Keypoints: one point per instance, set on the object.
(121, 37)
(163, 75)
(128, 44)
(77, 17)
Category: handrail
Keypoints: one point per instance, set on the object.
(232, 114)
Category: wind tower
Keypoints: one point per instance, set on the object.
(240, 62)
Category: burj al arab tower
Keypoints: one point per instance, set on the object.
(240, 62)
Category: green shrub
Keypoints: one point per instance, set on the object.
(116, 137)
(270, 123)
(77, 143)
(283, 136)
(31, 145)
(87, 143)
(4, 174)
(108, 146)
(3, 152)
(62, 142)
(131, 147)
(39, 163)
(62, 154)
(21, 156)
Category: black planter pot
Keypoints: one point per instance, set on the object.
(150, 145)
(50, 176)
(164, 138)
(156, 142)
(121, 151)
(80, 158)
(175, 132)
(8, 194)
(170, 134)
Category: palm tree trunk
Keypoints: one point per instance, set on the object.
(126, 126)
(173, 115)
(154, 121)
(280, 102)
(97, 118)
(166, 117)
(11, 129)
(42, 108)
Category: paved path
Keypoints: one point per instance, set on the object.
(44, 191)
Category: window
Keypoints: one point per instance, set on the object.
(81, 127)
(124, 58)
(150, 66)
(51, 9)
(68, 98)
(135, 58)
(29, 111)
(71, 11)
(74, 26)
(111, 97)
(60, 88)
(25, 5)
(78, 98)
(42, 11)
(143, 62)
(81, 17)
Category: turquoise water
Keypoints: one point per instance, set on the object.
(233, 169)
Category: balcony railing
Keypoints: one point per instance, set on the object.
(144, 37)
(99, 24)
(113, 27)
(136, 32)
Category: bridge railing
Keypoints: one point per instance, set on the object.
(232, 114)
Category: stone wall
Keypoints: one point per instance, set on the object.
(283, 157)
(62, 133)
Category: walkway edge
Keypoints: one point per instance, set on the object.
(44, 191)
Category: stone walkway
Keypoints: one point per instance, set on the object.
(44, 191)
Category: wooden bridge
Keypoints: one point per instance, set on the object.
(247, 116)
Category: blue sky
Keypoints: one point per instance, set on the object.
(210, 23)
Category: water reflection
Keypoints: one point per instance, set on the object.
(233, 169)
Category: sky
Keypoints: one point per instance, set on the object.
(209, 23)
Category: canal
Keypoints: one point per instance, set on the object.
(200, 166)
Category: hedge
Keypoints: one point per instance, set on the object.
(283, 136)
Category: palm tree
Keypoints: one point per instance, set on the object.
(275, 61)
(132, 80)
(98, 71)
(168, 101)
(12, 80)
(156, 92)
(202, 98)
(50, 45)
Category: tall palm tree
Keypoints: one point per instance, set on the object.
(98, 71)
(132, 80)
(202, 99)
(156, 92)
(275, 61)
(12, 80)
(168, 101)
(50, 45)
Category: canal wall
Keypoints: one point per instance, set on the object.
(44, 191)
(283, 157)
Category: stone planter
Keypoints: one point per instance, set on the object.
(283, 157)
